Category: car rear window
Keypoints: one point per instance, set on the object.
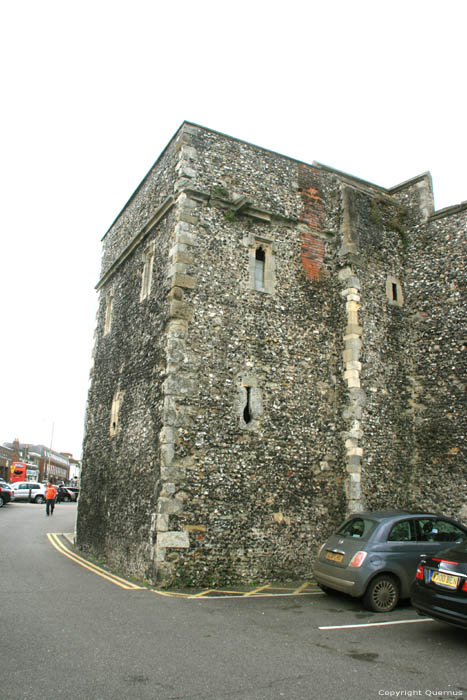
(357, 527)
(438, 530)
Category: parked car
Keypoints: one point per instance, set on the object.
(67, 493)
(22, 489)
(375, 555)
(440, 586)
(6, 493)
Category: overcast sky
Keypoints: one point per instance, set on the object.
(93, 91)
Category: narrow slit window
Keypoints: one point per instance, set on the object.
(394, 291)
(249, 404)
(260, 261)
(146, 275)
(247, 410)
(114, 411)
(108, 313)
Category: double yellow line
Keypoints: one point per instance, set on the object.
(306, 588)
(59, 546)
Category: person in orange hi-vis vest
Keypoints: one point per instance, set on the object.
(50, 496)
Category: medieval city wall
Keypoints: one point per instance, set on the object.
(121, 455)
(379, 257)
(252, 494)
(230, 427)
(437, 298)
(148, 203)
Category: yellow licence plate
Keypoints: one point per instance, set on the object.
(445, 579)
(334, 556)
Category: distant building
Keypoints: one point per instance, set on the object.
(277, 344)
(75, 468)
(51, 465)
(7, 457)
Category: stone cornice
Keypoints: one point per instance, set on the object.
(148, 226)
(242, 206)
(423, 177)
(449, 211)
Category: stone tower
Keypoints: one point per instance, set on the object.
(277, 344)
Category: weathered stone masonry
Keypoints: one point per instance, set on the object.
(277, 344)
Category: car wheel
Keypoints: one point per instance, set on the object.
(382, 595)
(66, 499)
(1, 501)
(39, 499)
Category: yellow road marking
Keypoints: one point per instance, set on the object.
(302, 587)
(200, 595)
(281, 588)
(170, 594)
(218, 590)
(127, 585)
(60, 547)
(257, 590)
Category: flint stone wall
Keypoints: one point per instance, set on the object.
(436, 294)
(250, 422)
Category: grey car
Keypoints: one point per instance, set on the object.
(375, 555)
(29, 491)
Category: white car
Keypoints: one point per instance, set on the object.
(22, 489)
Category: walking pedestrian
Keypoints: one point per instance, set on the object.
(50, 496)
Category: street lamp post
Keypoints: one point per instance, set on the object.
(50, 452)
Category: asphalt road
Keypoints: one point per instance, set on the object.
(66, 632)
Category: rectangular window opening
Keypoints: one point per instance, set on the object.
(108, 313)
(260, 260)
(146, 275)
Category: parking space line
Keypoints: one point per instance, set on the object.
(203, 593)
(302, 587)
(226, 593)
(231, 594)
(375, 624)
(257, 590)
(168, 594)
(216, 593)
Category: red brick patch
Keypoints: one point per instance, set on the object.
(312, 214)
(312, 258)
